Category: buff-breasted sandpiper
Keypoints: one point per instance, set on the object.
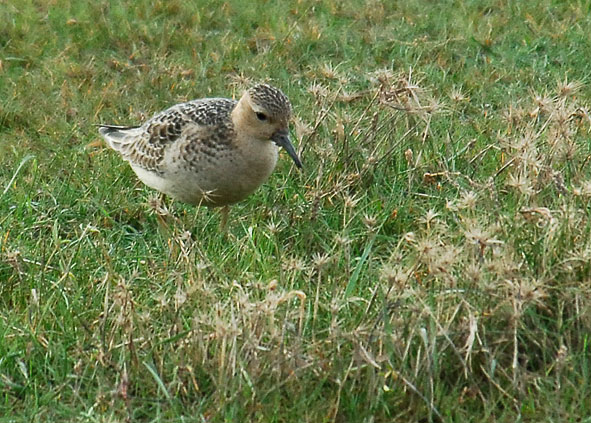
(211, 151)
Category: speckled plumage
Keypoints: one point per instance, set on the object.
(212, 151)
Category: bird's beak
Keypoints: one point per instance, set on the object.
(281, 138)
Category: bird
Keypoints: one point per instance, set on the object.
(210, 152)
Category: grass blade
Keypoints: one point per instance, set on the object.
(18, 169)
(157, 378)
(355, 276)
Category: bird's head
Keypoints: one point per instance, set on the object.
(267, 111)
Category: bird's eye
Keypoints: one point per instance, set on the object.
(261, 116)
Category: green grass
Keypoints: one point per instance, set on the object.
(430, 263)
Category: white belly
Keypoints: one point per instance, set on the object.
(213, 181)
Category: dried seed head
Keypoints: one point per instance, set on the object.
(429, 218)
(274, 227)
(161, 299)
(320, 260)
(427, 247)
(566, 88)
(180, 297)
(369, 221)
(410, 237)
(342, 239)
(158, 207)
(351, 201)
(457, 96)
(329, 71)
(544, 103)
(408, 155)
(319, 91)
(302, 128)
(521, 183)
(395, 275)
(561, 354)
(477, 235)
(474, 272)
(468, 200)
(294, 264)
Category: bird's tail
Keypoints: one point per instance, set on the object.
(118, 137)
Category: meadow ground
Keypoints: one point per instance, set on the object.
(430, 263)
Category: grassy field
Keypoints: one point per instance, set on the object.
(431, 263)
